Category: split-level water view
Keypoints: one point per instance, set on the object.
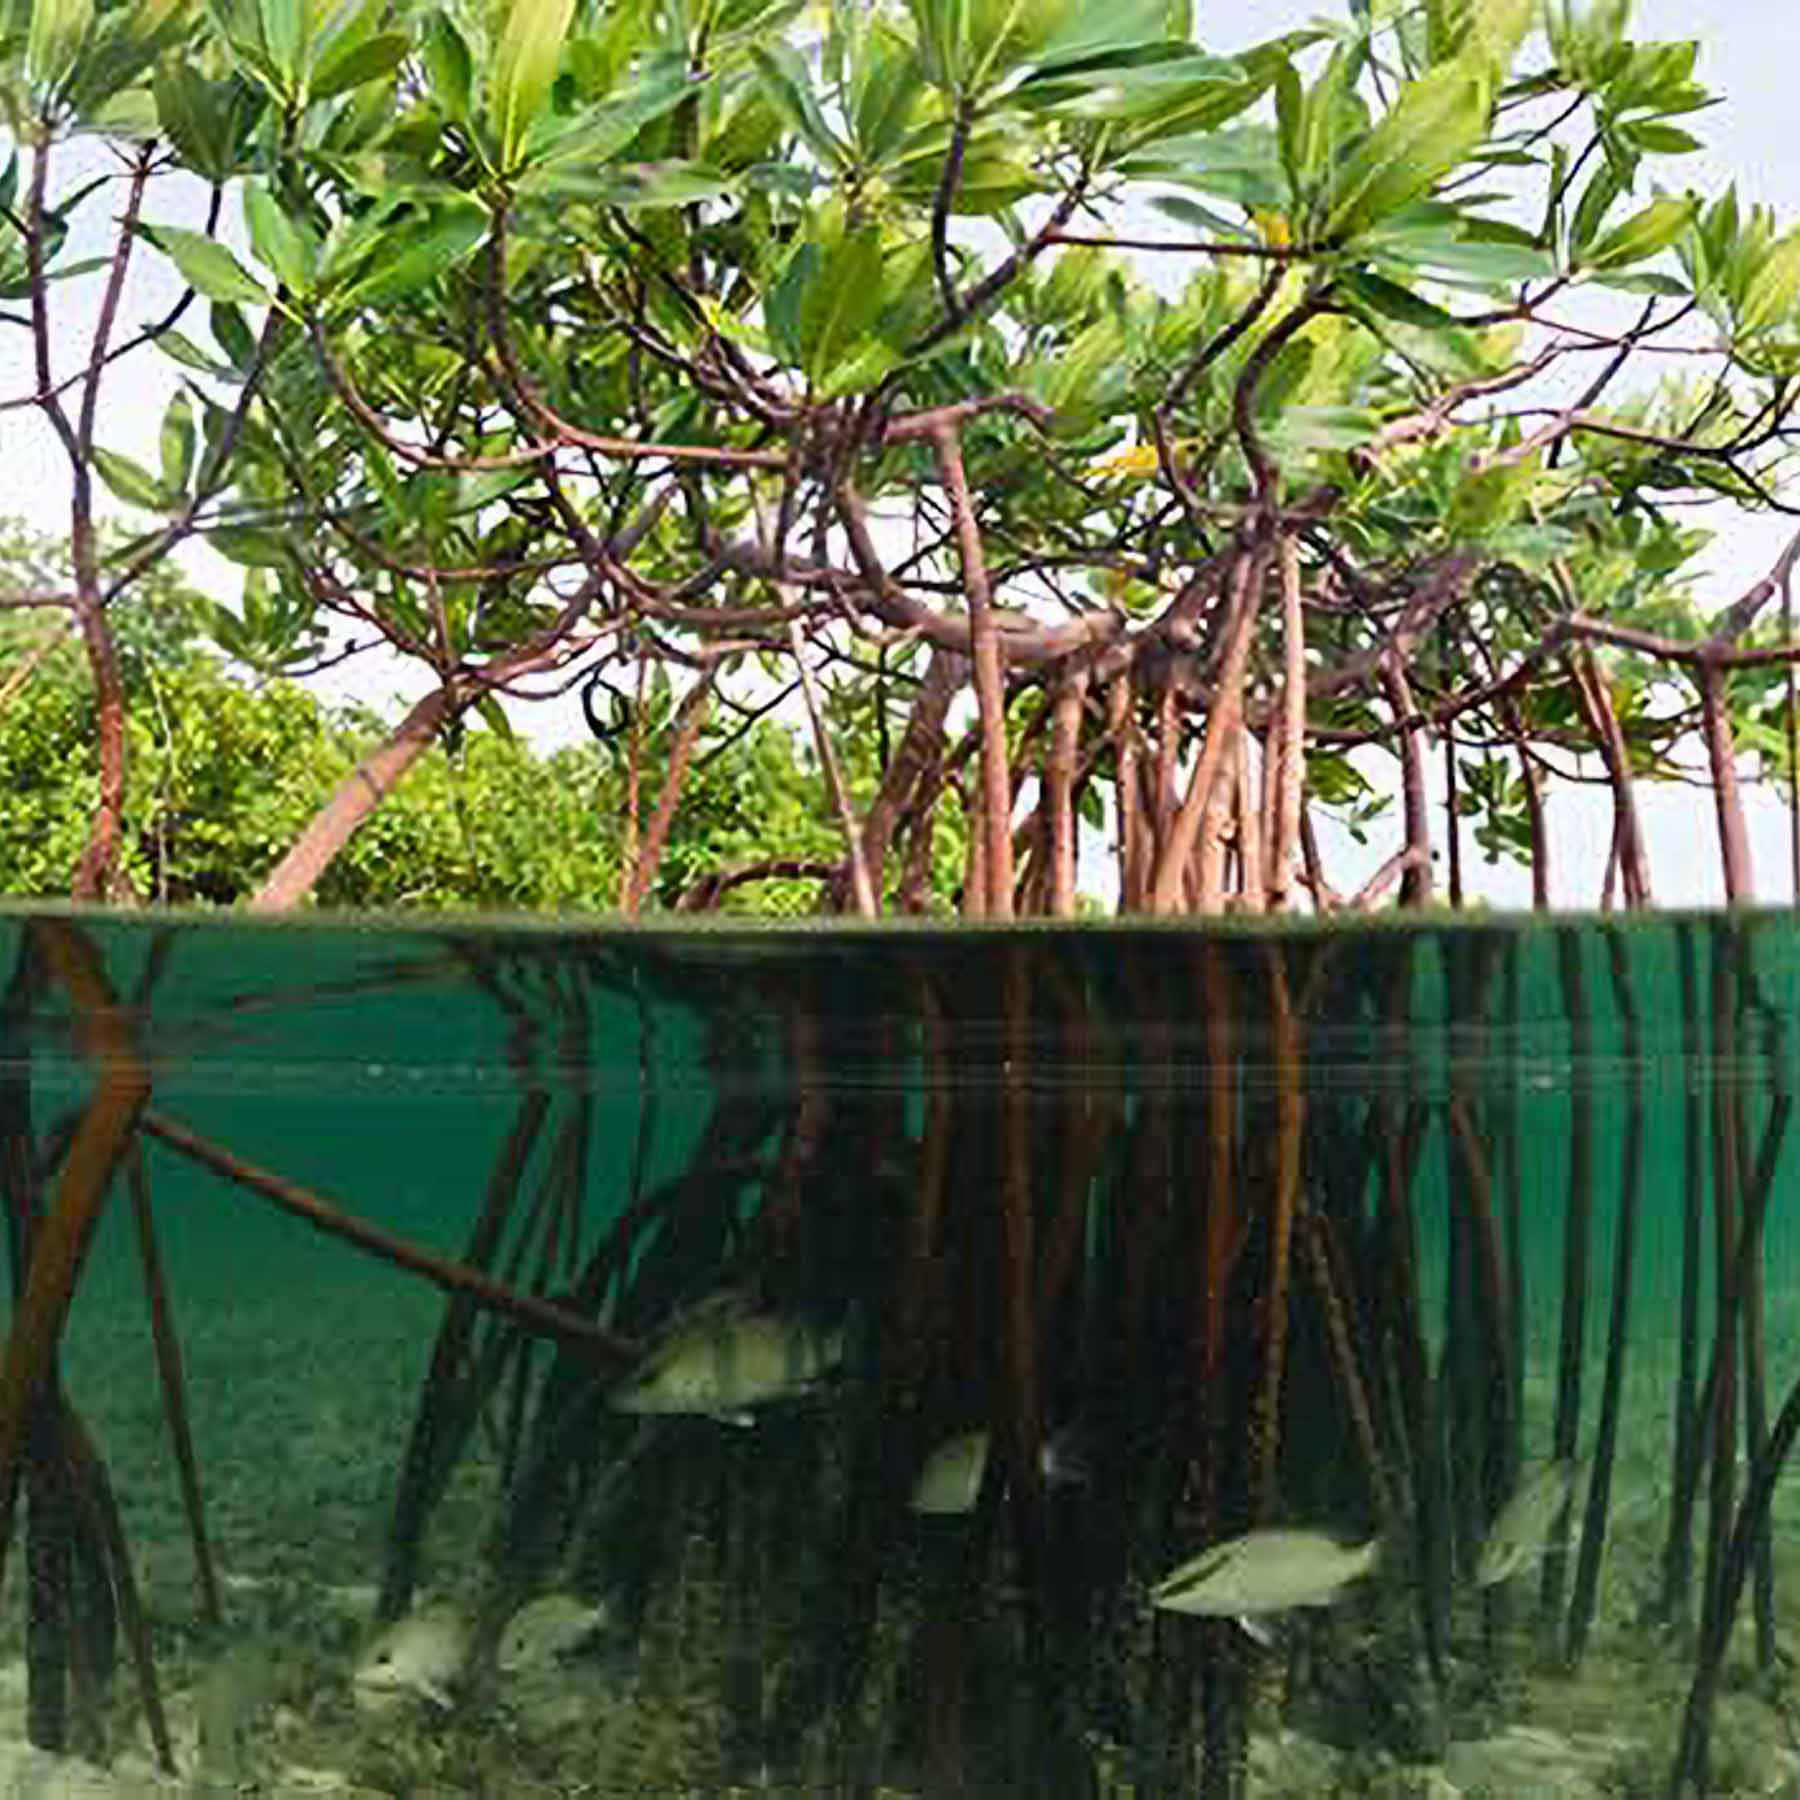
(1095, 1362)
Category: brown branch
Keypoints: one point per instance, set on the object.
(1291, 757)
(1415, 889)
(861, 888)
(1596, 702)
(690, 720)
(1253, 894)
(1122, 729)
(1059, 784)
(1400, 863)
(999, 278)
(907, 768)
(1026, 643)
(990, 688)
(1728, 799)
(354, 799)
(374, 778)
(910, 427)
(706, 893)
(1279, 253)
(1264, 475)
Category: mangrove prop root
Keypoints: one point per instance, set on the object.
(60, 1243)
(1689, 1770)
(444, 1413)
(1593, 1528)
(1576, 1224)
(174, 1385)
(94, 1498)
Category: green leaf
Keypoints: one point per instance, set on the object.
(597, 134)
(200, 117)
(132, 482)
(207, 267)
(841, 302)
(1770, 293)
(785, 79)
(1389, 300)
(493, 715)
(284, 32)
(185, 351)
(1301, 428)
(1241, 163)
(233, 336)
(1659, 138)
(1436, 122)
(1645, 281)
(448, 66)
(1643, 235)
(278, 242)
(250, 546)
(1202, 218)
(525, 63)
(177, 445)
(1609, 181)
(348, 65)
(58, 30)
(1485, 261)
(864, 365)
(410, 253)
(635, 187)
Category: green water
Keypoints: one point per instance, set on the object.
(1353, 1232)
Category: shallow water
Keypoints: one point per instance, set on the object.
(1347, 1231)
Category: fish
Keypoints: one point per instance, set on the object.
(544, 1629)
(1265, 1572)
(422, 1654)
(950, 1480)
(721, 1363)
(1516, 1537)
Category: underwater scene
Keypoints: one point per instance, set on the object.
(1095, 1362)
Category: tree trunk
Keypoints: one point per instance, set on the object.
(1222, 722)
(356, 796)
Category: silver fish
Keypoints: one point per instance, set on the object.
(721, 1364)
(1265, 1572)
(422, 1654)
(544, 1629)
(1516, 1537)
(950, 1481)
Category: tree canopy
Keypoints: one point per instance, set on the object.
(722, 349)
(225, 771)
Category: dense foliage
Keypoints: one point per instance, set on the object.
(737, 339)
(224, 772)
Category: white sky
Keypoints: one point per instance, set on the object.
(1750, 54)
